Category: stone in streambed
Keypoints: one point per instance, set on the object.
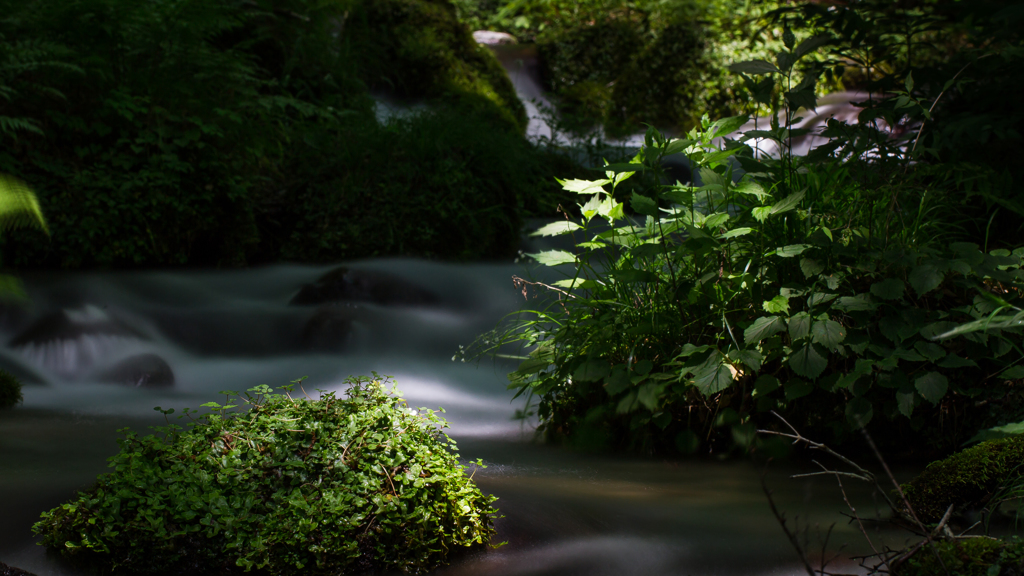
(6, 570)
(347, 285)
(330, 328)
(71, 325)
(140, 371)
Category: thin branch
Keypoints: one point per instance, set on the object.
(782, 522)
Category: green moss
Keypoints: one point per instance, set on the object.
(967, 478)
(968, 557)
(419, 49)
(10, 390)
(328, 486)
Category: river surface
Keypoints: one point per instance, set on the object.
(563, 512)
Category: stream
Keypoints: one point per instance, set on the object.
(98, 351)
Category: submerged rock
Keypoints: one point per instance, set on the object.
(346, 285)
(329, 329)
(6, 570)
(140, 371)
(69, 341)
(492, 38)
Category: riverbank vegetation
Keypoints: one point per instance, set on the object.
(234, 133)
(285, 486)
(843, 289)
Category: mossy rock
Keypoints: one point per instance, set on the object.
(967, 557)
(419, 49)
(965, 479)
(10, 390)
(290, 486)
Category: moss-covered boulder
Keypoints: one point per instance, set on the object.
(966, 479)
(289, 486)
(966, 557)
(10, 390)
(420, 49)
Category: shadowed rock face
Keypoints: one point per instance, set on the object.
(6, 570)
(140, 371)
(345, 285)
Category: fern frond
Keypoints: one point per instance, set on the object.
(10, 125)
(19, 206)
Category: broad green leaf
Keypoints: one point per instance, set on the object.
(808, 362)
(765, 384)
(749, 358)
(888, 289)
(791, 250)
(591, 370)
(592, 207)
(726, 126)
(650, 395)
(821, 298)
(643, 205)
(812, 43)
(582, 283)
(553, 257)
(584, 186)
(925, 278)
(677, 146)
(761, 213)
(931, 386)
(754, 67)
(859, 412)
(933, 352)
(828, 333)
(735, 232)
(625, 167)
(762, 328)
(715, 220)
(799, 326)
(805, 99)
(751, 188)
(954, 361)
(713, 180)
(556, 228)
(1013, 373)
(788, 203)
(713, 378)
(811, 267)
(617, 382)
(797, 388)
(905, 401)
(860, 302)
(776, 305)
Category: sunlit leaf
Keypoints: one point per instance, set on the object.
(553, 257)
(763, 328)
(556, 228)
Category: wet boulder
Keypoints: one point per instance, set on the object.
(330, 328)
(348, 285)
(140, 371)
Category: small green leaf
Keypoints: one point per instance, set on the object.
(860, 302)
(779, 304)
(584, 186)
(932, 386)
(754, 67)
(735, 232)
(713, 378)
(761, 213)
(1013, 373)
(797, 388)
(808, 362)
(749, 358)
(954, 361)
(933, 352)
(791, 250)
(765, 384)
(591, 370)
(905, 401)
(553, 257)
(788, 203)
(556, 228)
(888, 289)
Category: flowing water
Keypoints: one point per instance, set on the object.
(564, 512)
(99, 351)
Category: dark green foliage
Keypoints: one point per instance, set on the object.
(172, 133)
(978, 556)
(967, 479)
(287, 486)
(10, 390)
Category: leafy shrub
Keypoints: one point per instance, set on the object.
(801, 285)
(975, 556)
(288, 486)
